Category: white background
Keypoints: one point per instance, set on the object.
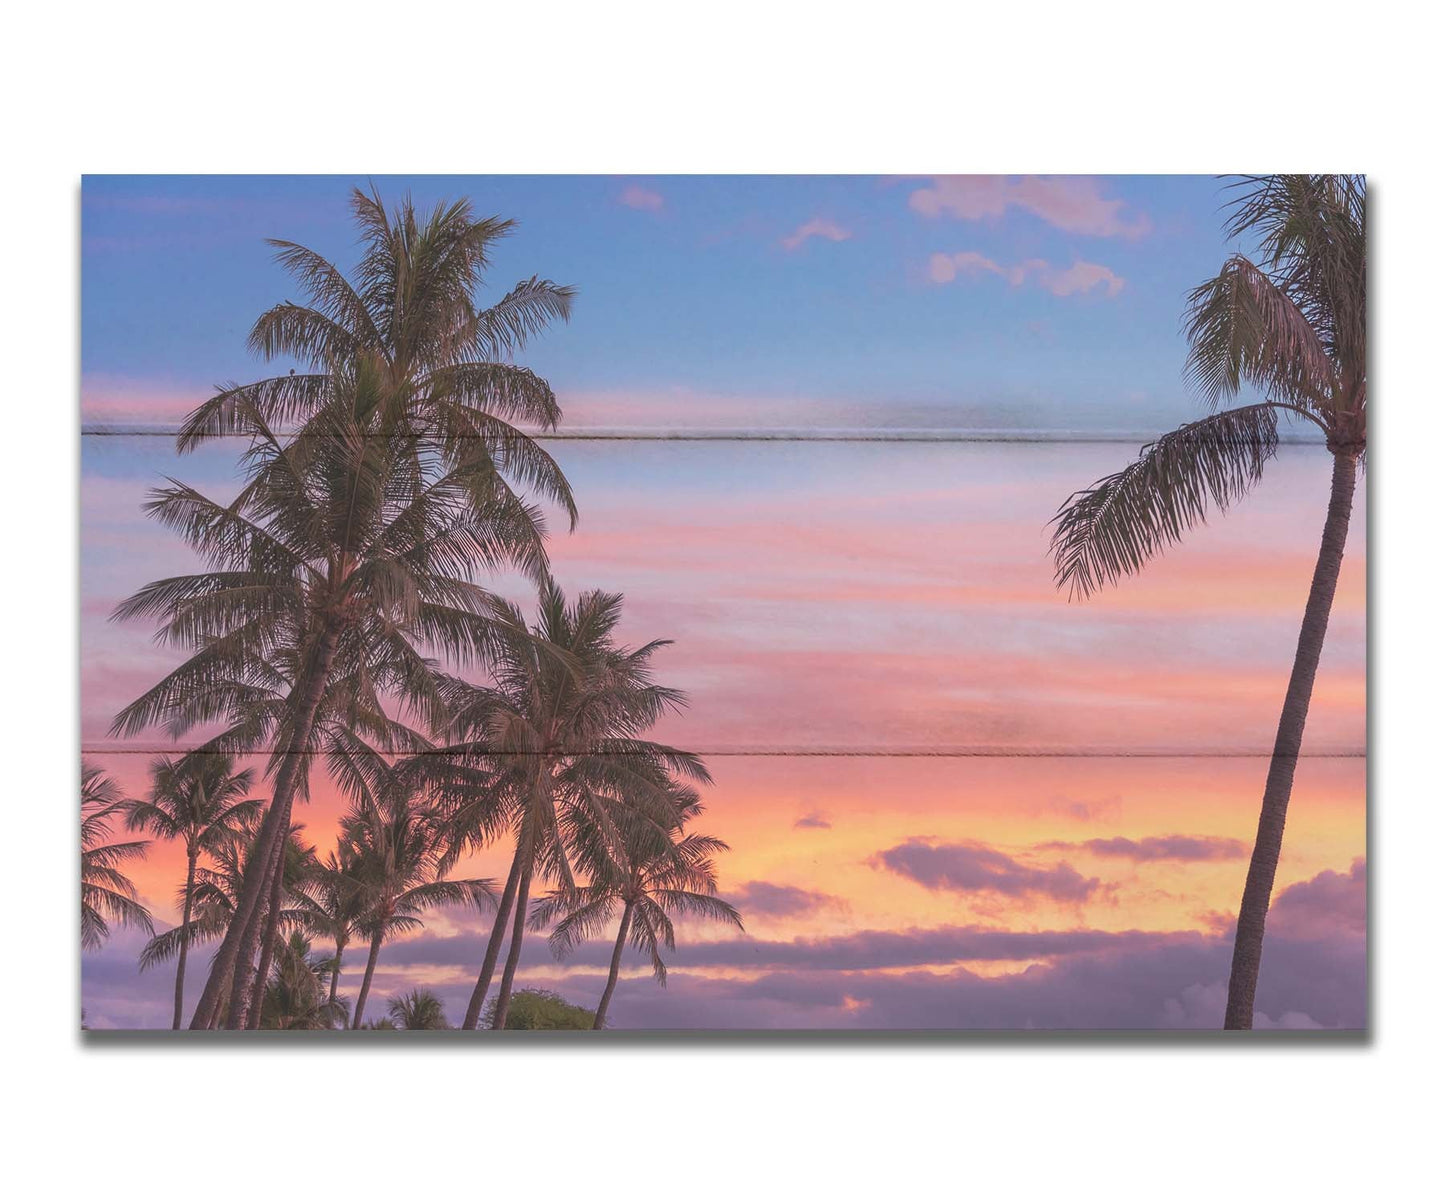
(640, 88)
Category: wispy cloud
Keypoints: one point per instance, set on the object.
(818, 227)
(1075, 204)
(1079, 277)
(634, 196)
(813, 819)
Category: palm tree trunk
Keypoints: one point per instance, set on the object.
(1259, 883)
(494, 943)
(336, 973)
(514, 951)
(600, 1019)
(238, 1009)
(268, 938)
(185, 939)
(253, 883)
(366, 981)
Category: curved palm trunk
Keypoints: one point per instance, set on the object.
(238, 1010)
(599, 1021)
(1259, 883)
(268, 937)
(254, 881)
(336, 973)
(208, 1020)
(494, 943)
(366, 981)
(185, 939)
(514, 951)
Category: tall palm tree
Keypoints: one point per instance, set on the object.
(107, 896)
(418, 1009)
(659, 875)
(296, 994)
(199, 800)
(395, 847)
(1291, 326)
(556, 745)
(348, 557)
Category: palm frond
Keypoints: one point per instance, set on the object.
(1114, 527)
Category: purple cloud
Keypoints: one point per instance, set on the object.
(775, 900)
(1314, 975)
(1157, 848)
(813, 819)
(1326, 906)
(973, 868)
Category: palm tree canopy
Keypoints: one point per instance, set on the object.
(418, 1009)
(199, 799)
(107, 895)
(1289, 323)
(296, 995)
(332, 901)
(410, 308)
(393, 848)
(349, 548)
(660, 875)
(554, 748)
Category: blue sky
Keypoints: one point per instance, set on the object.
(732, 301)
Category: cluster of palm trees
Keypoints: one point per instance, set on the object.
(336, 613)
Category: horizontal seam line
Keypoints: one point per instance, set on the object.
(955, 754)
(758, 437)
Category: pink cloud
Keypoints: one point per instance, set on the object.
(1079, 277)
(1075, 204)
(634, 196)
(818, 227)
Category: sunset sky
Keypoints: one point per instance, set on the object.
(1001, 808)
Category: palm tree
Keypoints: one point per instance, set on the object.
(409, 308)
(217, 887)
(331, 904)
(395, 847)
(296, 995)
(347, 557)
(1293, 327)
(107, 896)
(661, 874)
(554, 746)
(418, 1009)
(200, 800)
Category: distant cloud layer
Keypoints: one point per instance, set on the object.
(1075, 204)
(1313, 975)
(974, 868)
(634, 196)
(818, 227)
(1079, 277)
(1158, 848)
(813, 819)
